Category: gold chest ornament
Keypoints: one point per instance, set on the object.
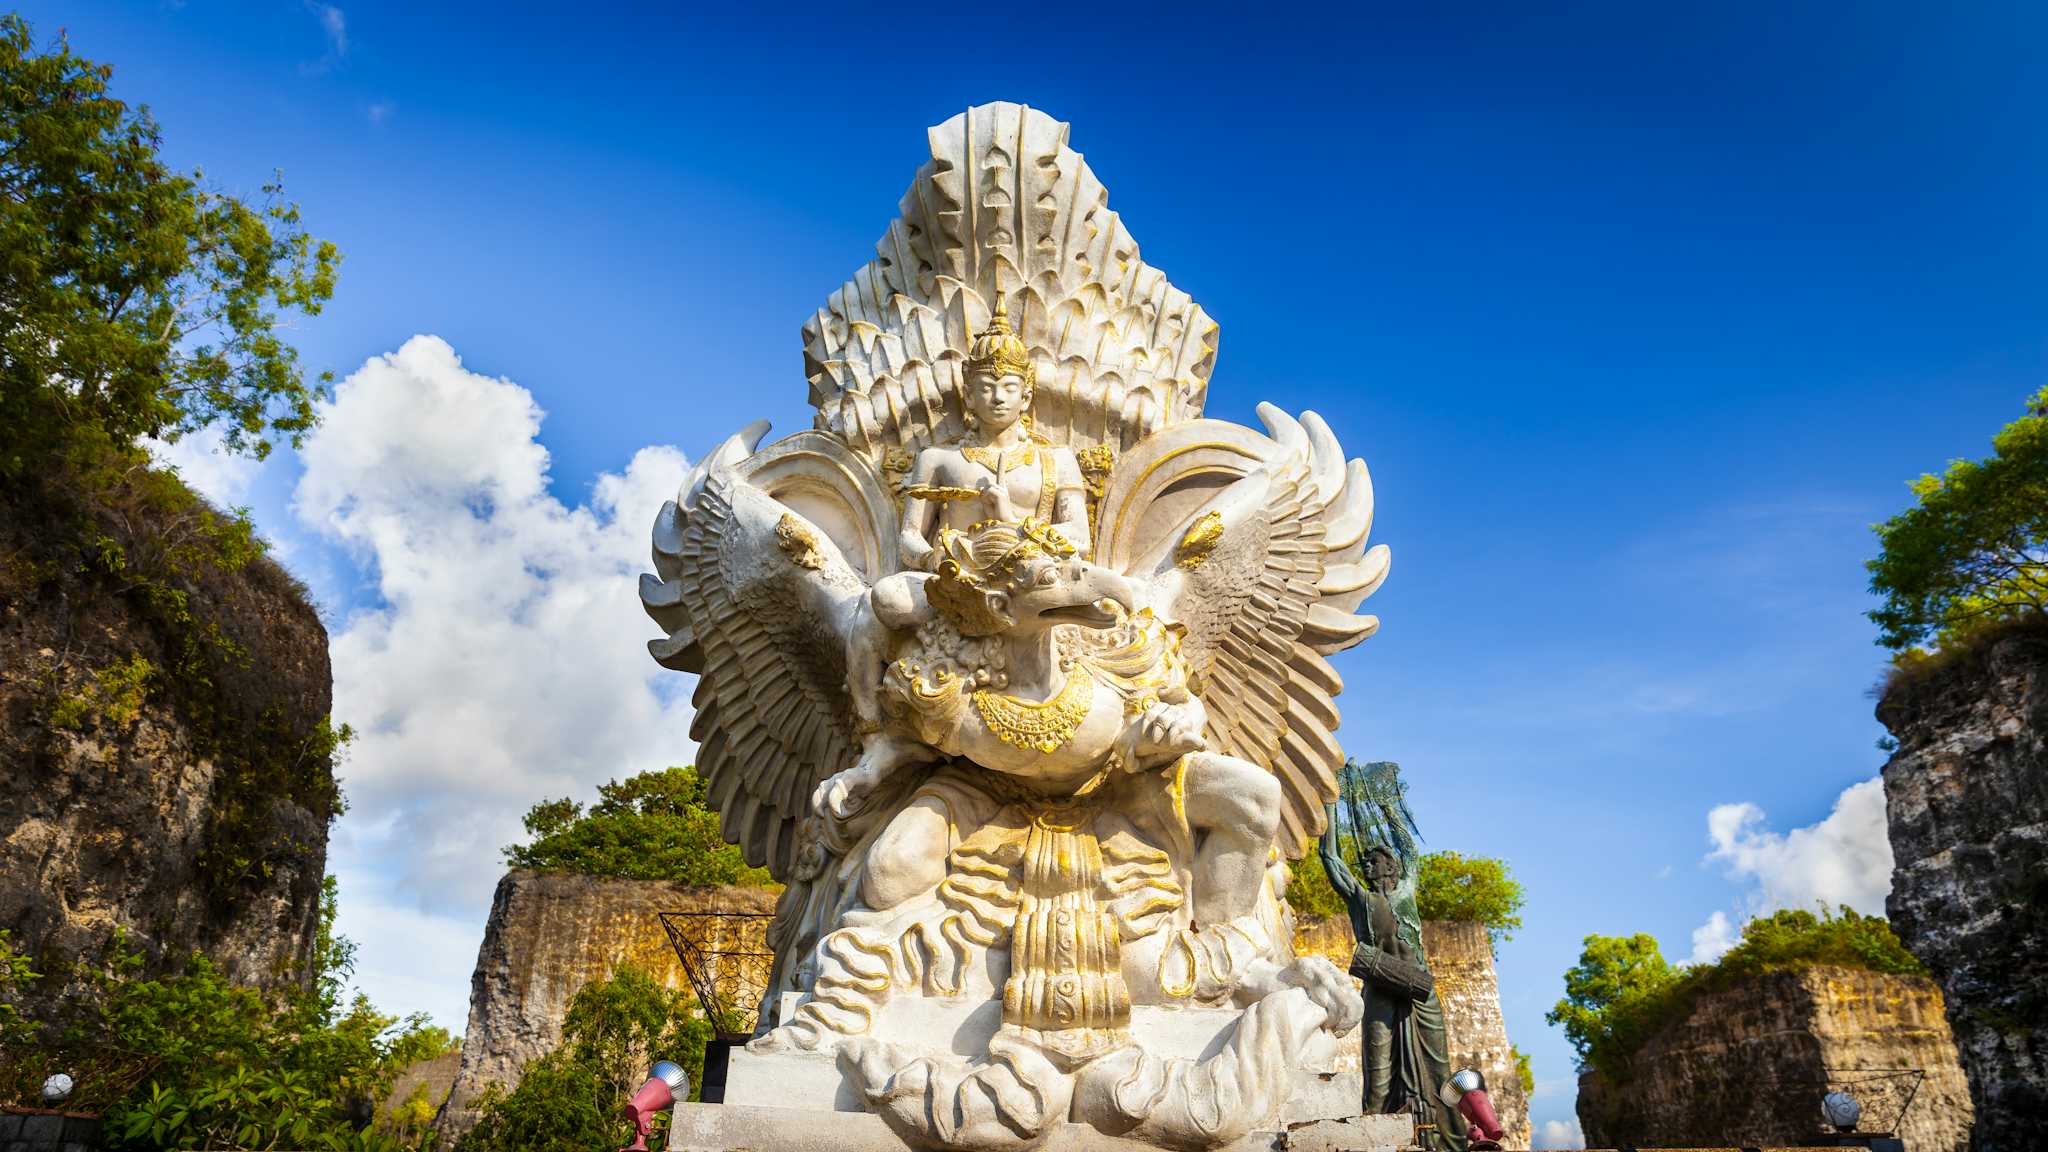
(1038, 727)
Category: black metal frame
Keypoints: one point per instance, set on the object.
(729, 979)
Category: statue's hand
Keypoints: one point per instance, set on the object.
(996, 495)
(1167, 730)
(842, 794)
(1329, 989)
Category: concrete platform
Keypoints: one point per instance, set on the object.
(755, 1128)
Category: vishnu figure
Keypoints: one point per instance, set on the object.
(1001, 470)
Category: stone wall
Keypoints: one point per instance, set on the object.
(1966, 796)
(1462, 958)
(548, 935)
(139, 814)
(1749, 1063)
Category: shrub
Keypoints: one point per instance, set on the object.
(569, 1100)
(654, 826)
(238, 1070)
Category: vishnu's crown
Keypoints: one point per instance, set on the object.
(998, 351)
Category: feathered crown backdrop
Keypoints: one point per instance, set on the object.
(1004, 206)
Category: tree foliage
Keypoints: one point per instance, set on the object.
(1450, 886)
(654, 826)
(135, 300)
(1607, 992)
(569, 1100)
(1622, 991)
(1973, 553)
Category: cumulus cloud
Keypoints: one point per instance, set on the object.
(1560, 1134)
(1844, 859)
(1713, 938)
(501, 658)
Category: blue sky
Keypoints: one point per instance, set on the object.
(1641, 315)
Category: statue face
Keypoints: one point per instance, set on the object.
(1382, 873)
(997, 401)
(1048, 592)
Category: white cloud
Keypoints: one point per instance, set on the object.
(1560, 1134)
(207, 467)
(1713, 938)
(1844, 859)
(381, 112)
(334, 24)
(503, 660)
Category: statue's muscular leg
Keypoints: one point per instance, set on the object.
(1234, 807)
(909, 857)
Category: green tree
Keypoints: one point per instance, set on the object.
(654, 826)
(1452, 886)
(569, 1099)
(1974, 552)
(135, 300)
(1309, 892)
(1614, 977)
(1523, 1071)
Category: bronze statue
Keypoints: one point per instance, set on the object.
(1405, 1056)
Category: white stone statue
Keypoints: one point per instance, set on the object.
(1013, 671)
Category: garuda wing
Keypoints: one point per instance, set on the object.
(760, 563)
(1256, 545)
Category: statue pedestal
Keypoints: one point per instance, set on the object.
(730, 1127)
(801, 1100)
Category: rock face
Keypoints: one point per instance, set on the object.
(1966, 795)
(549, 934)
(1461, 957)
(1749, 1064)
(162, 740)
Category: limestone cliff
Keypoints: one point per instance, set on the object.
(1750, 1062)
(164, 693)
(1461, 956)
(1966, 796)
(549, 934)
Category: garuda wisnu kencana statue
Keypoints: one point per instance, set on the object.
(1014, 671)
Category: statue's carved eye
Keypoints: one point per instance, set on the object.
(1049, 577)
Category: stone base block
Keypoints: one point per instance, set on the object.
(756, 1128)
(812, 1080)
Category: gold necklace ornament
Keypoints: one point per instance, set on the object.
(1023, 456)
(1038, 727)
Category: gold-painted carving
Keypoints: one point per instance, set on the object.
(1044, 726)
(940, 492)
(1200, 540)
(998, 351)
(1066, 980)
(798, 542)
